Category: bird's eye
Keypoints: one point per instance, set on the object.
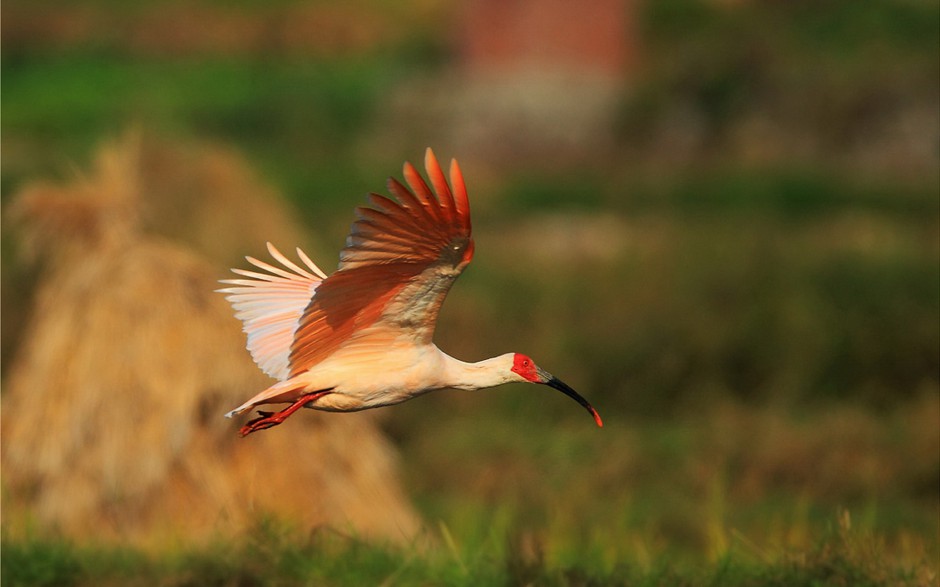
(525, 363)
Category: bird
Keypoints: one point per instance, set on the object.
(361, 337)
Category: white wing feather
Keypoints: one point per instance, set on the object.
(270, 306)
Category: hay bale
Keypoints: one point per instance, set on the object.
(208, 198)
(112, 422)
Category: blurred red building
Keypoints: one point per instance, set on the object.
(595, 36)
(535, 81)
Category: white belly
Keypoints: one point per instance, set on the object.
(373, 377)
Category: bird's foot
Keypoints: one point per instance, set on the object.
(263, 422)
(267, 420)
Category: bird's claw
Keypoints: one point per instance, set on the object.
(264, 421)
(267, 420)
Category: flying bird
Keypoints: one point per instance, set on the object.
(362, 337)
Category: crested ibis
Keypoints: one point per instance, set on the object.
(362, 337)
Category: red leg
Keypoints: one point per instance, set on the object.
(269, 420)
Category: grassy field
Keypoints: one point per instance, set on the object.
(736, 496)
(840, 558)
(759, 331)
(733, 495)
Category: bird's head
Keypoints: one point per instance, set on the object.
(524, 369)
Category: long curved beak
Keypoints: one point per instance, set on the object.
(552, 381)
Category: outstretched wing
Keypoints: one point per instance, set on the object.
(270, 304)
(400, 259)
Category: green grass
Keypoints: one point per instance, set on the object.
(725, 495)
(270, 102)
(277, 555)
(758, 305)
(274, 556)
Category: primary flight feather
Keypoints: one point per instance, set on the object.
(362, 337)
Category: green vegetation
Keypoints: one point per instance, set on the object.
(843, 559)
(731, 496)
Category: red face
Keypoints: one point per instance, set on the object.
(524, 366)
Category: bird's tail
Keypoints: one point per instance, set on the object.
(281, 392)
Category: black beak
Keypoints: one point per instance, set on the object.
(561, 386)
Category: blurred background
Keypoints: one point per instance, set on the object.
(719, 220)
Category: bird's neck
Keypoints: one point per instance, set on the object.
(470, 376)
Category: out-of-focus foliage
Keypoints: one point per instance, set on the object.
(766, 264)
(725, 498)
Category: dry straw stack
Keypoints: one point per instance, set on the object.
(112, 422)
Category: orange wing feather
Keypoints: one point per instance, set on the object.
(402, 252)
